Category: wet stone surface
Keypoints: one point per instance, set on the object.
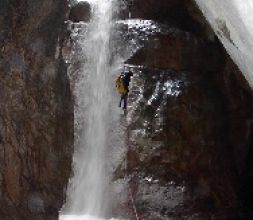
(156, 194)
(177, 163)
(138, 33)
(171, 172)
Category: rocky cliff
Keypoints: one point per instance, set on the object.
(36, 111)
(190, 132)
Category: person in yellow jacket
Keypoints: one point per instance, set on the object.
(122, 84)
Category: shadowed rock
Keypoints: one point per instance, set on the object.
(35, 110)
(191, 117)
(81, 11)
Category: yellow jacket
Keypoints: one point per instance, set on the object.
(120, 87)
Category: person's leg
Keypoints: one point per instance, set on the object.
(121, 99)
(125, 101)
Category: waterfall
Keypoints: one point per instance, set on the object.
(86, 197)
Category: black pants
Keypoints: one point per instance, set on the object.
(124, 99)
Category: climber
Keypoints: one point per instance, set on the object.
(122, 84)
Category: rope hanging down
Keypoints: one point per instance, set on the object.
(132, 182)
(129, 4)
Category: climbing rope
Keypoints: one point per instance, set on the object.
(129, 4)
(133, 206)
(132, 182)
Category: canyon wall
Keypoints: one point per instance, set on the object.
(193, 124)
(36, 110)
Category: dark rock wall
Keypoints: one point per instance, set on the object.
(36, 131)
(239, 128)
(208, 129)
(181, 13)
(80, 11)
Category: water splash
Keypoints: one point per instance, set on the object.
(86, 196)
(81, 217)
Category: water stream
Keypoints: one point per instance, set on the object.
(87, 197)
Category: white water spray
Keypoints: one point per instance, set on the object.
(232, 22)
(86, 198)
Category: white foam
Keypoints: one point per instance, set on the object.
(87, 189)
(81, 217)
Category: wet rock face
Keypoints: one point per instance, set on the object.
(176, 140)
(35, 110)
(182, 14)
(189, 129)
(80, 11)
(172, 11)
(239, 99)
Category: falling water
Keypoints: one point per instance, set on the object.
(86, 197)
